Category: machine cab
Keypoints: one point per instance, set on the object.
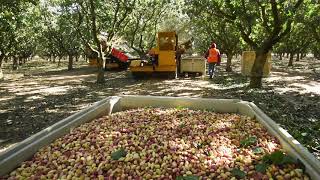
(167, 41)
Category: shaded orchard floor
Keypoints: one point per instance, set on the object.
(40, 94)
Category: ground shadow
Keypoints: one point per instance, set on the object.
(30, 104)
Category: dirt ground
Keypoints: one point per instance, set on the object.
(40, 94)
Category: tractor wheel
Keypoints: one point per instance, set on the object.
(138, 75)
(171, 75)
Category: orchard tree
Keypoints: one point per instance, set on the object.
(140, 33)
(297, 42)
(48, 47)
(15, 16)
(280, 49)
(212, 29)
(67, 37)
(61, 37)
(315, 49)
(7, 27)
(51, 39)
(70, 25)
(229, 41)
(106, 18)
(261, 24)
(312, 22)
(303, 33)
(307, 27)
(146, 22)
(174, 19)
(27, 36)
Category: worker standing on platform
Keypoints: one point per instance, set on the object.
(154, 58)
(213, 56)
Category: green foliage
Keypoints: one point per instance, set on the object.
(18, 27)
(189, 177)
(248, 142)
(238, 173)
(257, 22)
(211, 28)
(278, 158)
(261, 24)
(142, 27)
(311, 18)
(182, 125)
(60, 33)
(118, 154)
(180, 107)
(262, 167)
(144, 23)
(62, 27)
(258, 150)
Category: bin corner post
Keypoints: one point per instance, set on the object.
(244, 108)
(114, 104)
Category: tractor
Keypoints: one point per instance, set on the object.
(162, 58)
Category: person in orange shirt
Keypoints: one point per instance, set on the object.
(213, 57)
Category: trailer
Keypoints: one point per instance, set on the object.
(193, 65)
(117, 60)
(14, 156)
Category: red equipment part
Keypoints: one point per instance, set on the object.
(118, 54)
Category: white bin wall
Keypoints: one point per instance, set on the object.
(14, 156)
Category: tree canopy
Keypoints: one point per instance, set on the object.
(58, 28)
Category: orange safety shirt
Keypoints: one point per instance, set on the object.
(213, 55)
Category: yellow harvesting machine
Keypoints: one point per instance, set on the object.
(162, 58)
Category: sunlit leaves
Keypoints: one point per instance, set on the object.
(16, 26)
(211, 26)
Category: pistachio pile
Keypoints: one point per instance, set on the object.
(158, 143)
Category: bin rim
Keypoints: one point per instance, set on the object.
(114, 102)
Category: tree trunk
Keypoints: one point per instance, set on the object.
(291, 60)
(280, 56)
(70, 63)
(59, 61)
(287, 55)
(77, 58)
(100, 75)
(15, 63)
(20, 61)
(1, 73)
(54, 59)
(298, 57)
(228, 67)
(302, 55)
(257, 69)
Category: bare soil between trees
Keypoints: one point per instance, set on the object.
(40, 94)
